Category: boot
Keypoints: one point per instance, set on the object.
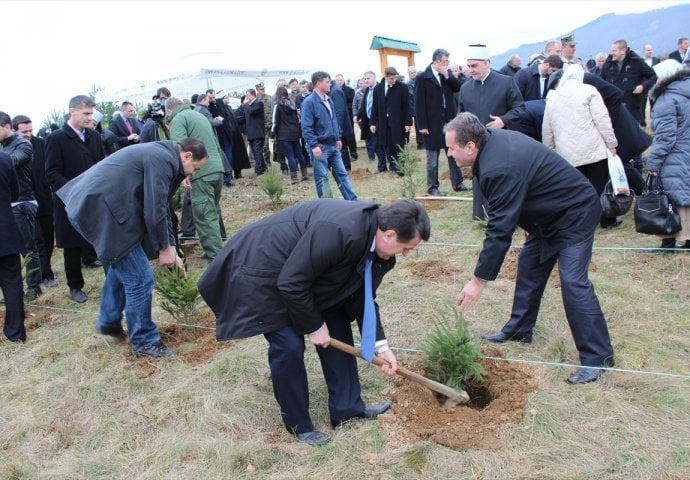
(305, 174)
(293, 178)
(668, 243)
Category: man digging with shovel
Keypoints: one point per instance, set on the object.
(312, 269)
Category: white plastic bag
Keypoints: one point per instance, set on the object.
(619, 182)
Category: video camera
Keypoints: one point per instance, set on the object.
(156, 109)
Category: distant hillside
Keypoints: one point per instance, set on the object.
(661, 28)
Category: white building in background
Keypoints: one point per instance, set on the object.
(197, 73)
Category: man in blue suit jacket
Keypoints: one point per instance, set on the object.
(125, 126)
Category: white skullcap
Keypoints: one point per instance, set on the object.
(477, 52)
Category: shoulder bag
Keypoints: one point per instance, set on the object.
(654, 212)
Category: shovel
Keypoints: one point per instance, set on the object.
(455, 397)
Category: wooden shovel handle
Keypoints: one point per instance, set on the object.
(458, 396)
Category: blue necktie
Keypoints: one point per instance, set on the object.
(369, 317)
(370, 101)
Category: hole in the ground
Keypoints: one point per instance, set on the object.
(480, 397)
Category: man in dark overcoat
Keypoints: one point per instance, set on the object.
(121, 206)
(629, 72)
(434, 106)
(494, 99)
(255, 127)
(10, 247)
(301, 272)
(391, 117)
(528, 185)
(70, 151)
(44, 229)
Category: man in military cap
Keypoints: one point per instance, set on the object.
(568, 44)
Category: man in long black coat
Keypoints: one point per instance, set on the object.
(71, 151)
(44, 229)
(10, 247)
(434, 106)
(626, 70)
(494, 99)
(391, 117)
(529, 185)
(301, 272)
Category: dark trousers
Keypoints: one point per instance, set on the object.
(227, 162)
(187, 221)
(598, 174)
(45, 243)
(25, 217)
(432, 170)
(582, 309)
(75, 279)
(11, 285)
(257, 146)
(279, 157)
(289, 375)
(350, 142)
(376, 146)
(392, 151)
(345, 155)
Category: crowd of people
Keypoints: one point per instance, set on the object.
(536, 140)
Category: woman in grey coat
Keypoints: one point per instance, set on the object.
(669, 156)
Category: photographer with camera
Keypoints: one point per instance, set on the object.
(154, 128)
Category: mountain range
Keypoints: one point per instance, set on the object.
(661, 28)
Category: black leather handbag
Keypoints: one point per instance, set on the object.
(614, 205)
(654, 212)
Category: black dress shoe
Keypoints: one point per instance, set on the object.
(500, 337)
(114, 331)
(95, 264)
(585, 375)
(370, 412)
(435, 192)
(373, 411)
(315, 438)
(461, 187)
(77, 295)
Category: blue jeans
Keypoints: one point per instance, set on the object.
(293, 150)
(128, 286)
(331, 158)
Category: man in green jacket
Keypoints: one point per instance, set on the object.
(207, 184)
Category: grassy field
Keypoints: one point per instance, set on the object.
(76, 405)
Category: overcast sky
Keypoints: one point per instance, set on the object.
(57, 49)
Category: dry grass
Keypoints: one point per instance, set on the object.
(78, 406)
